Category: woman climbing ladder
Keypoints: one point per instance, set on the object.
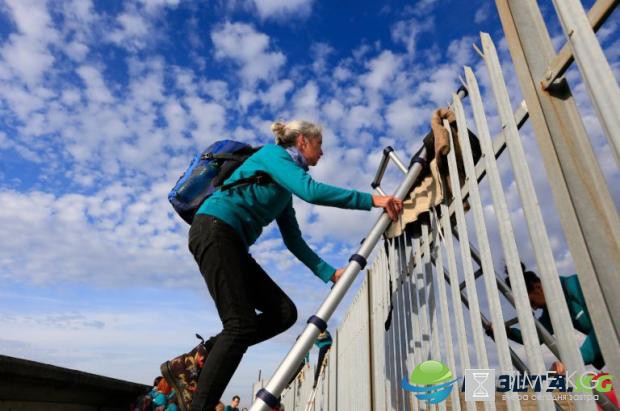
(229, 222)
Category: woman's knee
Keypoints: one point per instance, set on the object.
(243, 330)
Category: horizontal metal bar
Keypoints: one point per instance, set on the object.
(598, 14)
(398, 163)
(511, 322)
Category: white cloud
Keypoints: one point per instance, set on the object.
(128, 240)
(275, 96)
(26, 52)
(423, 7)
(320, 53)
(441, 85)
(77, 50)
(209, 119)
(32, 19)
(361, 117)
(404, 117)
(96, 88)
(306, 101)
(4, 140)
(482, 13)
(334, 110)
(461, 52)
(132, 30)
(406, 32)
(281, 9)
(249, 49)
(152, 5)
(382, 71)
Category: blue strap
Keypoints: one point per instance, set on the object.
(359, 259)
(267, 397)
(318, 322)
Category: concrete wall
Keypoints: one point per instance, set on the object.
(32, 386)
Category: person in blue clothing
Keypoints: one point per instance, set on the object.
(590, 350)
(324, 343)
(230, 221)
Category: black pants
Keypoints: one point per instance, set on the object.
(239, 287)
(317, 371)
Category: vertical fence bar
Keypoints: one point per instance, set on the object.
(417, 278)
(501, 340)
(586, 209)
(556, 303)
(377, 350)
(468, 269)
(445, 312)
(434, 334)
(416, 324)
(598, 77)
(387, 335)
(456, 295)
(394, 392)
(420, 292)
(397, 323)
(382, 335)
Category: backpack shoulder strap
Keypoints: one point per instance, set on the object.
(260, 177)
(224, 156)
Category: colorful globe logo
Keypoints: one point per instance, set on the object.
(431, 381)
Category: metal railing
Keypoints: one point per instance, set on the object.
(409, 307)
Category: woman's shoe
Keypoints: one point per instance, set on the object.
(182, 373)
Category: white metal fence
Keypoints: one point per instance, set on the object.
(423, 297)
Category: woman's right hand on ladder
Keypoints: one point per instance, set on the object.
(390, 204)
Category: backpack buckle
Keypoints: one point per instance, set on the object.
(262, 178)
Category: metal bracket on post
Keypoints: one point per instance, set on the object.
(597, 15)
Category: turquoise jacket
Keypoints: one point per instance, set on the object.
(590, 350)
(323, 340)
(249, 208)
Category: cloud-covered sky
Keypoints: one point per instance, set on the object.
(103, 104)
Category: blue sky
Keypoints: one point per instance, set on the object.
(103, 104)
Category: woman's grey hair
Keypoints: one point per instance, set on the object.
(286, 133)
